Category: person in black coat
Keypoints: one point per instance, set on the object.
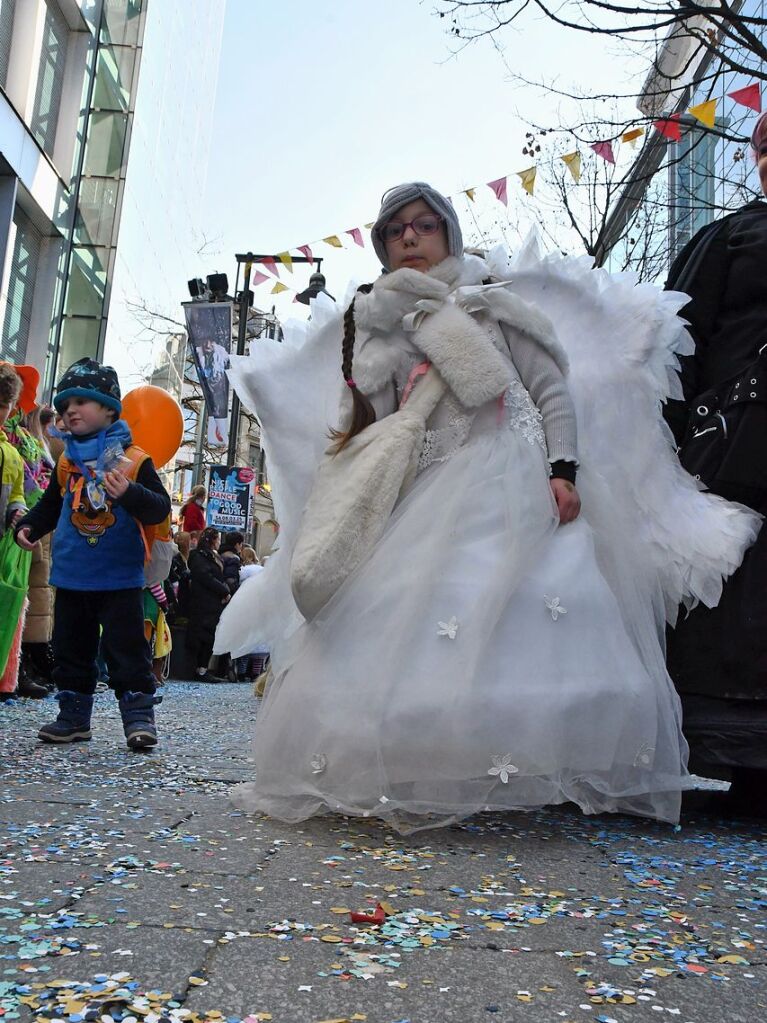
(207, 597)
(718, 657)
(230, 551)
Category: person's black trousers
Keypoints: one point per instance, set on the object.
(78, 616)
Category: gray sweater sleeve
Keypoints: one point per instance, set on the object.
(547, 386)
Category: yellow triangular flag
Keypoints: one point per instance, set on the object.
(286, 259)
(704, 112)
(334, 240)
(279, 287)
(573, 161)
(370, 226)
(632, 135)
(470, 192)
(527, 177)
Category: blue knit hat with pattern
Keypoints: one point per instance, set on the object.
(87, 378)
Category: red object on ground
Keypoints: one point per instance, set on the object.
(378, 916)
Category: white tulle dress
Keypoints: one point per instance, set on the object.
(485, 657)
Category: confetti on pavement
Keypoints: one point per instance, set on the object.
(574, 918)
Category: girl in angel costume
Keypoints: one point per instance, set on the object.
(502, 646)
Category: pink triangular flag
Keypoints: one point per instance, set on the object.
(605, 150)
(750, 96)
(259, 278)
(357, 236)
(271, 265)
(306, 250)
(499, 187)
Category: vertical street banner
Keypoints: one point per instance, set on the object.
(209, 329)
(230, 498)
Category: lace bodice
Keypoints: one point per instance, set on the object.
(450, 425)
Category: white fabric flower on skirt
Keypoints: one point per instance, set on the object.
(449, 629)
(555, 607)
(503, 767)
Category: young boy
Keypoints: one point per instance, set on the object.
(103, 491)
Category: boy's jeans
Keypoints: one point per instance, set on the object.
(120, 613)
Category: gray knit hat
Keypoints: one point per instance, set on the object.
(400, 196)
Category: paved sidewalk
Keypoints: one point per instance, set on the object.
(131, 890)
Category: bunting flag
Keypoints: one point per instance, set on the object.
(632, 135)
(704, 112)
(279, 287)
(499, 187)
(573, 164)
(258, 278)
(605, 150)
(527, 177)
(670, 127)
(750, 96)
(370, 227)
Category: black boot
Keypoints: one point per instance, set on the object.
(137, 712)
(31, 690)
(74, 721)
(37, 659)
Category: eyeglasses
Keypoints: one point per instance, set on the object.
(426, 224)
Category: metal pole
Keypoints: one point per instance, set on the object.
(242, 331)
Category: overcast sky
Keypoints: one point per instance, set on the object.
(321, 107)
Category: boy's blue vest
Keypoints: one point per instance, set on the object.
(96, 549)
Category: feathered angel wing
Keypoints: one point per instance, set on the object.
(294, 389)
(623, 339)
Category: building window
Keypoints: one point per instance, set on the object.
(50, 77)
(7, 11)
(21, 288)
(692, 180)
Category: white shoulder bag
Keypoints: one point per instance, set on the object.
(354, 494)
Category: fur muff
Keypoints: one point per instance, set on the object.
(471, 365)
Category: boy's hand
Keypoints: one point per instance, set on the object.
(22, 539)
(115, 484)
(568, 500)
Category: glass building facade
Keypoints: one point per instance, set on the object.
(68, 76)
(705, 174)
(91, 212)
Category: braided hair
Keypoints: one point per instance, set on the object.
(363, 413)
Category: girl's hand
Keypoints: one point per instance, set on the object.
(22, 539)
(568, 501)
(115, 484)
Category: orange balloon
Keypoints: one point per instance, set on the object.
(156, 422)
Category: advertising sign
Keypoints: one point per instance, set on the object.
(230, 498)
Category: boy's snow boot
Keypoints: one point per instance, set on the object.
(74, 721)
(137, 712)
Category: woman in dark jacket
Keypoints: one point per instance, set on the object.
(230, 551)
(718, 657)
(208, 595)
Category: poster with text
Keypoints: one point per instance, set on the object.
(230, 498)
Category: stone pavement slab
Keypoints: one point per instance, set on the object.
(134, 878)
